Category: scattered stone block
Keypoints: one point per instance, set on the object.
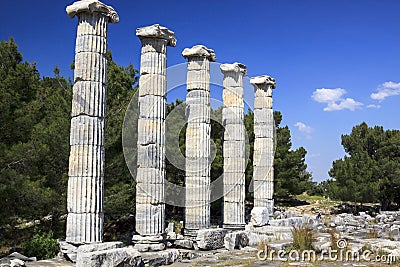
(123, 257)
(208, 239)
(259, 216)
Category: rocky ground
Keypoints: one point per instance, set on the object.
(374, 237)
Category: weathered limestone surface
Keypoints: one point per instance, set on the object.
(86, 161)
(111, 257)
(263, 159)
(234, 146)
(197, 212)
(209, 239)
(150, 187)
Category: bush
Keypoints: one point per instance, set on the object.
(302, 238)
(42, 246)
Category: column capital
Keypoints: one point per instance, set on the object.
(263, 82)
(199, 51)
(92, 6)
(234, 67)
(157, 31)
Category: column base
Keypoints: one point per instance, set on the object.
(234, 227)
(190, 233)
(148, 243)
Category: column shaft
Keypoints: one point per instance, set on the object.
(150, 184)
(263, 158)
(233, 146)
(86, 161)
(197, 180)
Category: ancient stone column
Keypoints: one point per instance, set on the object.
(233, 146)
(150, 185)
(86, 161)
(263, 159)
(197, 180)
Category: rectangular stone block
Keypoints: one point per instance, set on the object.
(89, 98)
(231, 179)
(198, 79)
(198, 130)
(152, 84)
(150, 175)
(151, 156)
(264, 130)
(198, 97)
(199, 64)
(197, 166)
(110, 257)
(263, 189)
(151, 132)
(263, 102)
(235, 132)
(85, 194)
(152, 107)
(148, 193)
(86, 130)
(92, 24)
(153, 63)
(234, 149)
(150, 219)
(235, 165)
(232, 99)
(84, 228)
(86, 160)
(91, 43)
(232, 115)
(263, 173)
(90, 67)
(198, 113)
(264, 115)
(154, 45)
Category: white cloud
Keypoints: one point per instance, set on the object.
(374, 106)
(328, 95)
(385, 90)
(348, 103)
(303, 128)
(333, 99)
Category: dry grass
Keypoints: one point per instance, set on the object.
(303, 237)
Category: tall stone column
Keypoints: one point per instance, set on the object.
(150, 184)
(234, 146)
(86, 161)
(197, 180)
(263, 159)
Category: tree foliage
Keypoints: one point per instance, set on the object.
(370, 170)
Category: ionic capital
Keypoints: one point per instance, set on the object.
(158, 32)
(92, 6)
(235, 67)
(199, 51)
(263, 82)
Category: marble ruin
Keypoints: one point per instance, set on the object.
(263, 157)
(234, 146)
(150, 185)
(86, 162)
(198, 131)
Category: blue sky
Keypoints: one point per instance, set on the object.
(336, 62)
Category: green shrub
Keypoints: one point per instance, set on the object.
(303, 237)
(42, 246)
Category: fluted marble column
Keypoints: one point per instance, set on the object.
(197, 180)
(263, 159)
(86, 161)
(150, 184)
(234, 146)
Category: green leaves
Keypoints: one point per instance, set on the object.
(371, 171)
